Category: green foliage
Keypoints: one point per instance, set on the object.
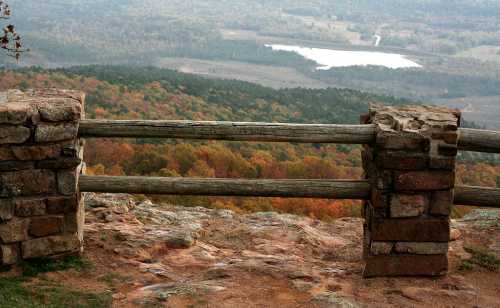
(401, 81)
(20, 292)
(244, 101)
(112, 278)
(498, 181)
(35, 267)
(480, 258)
(14, 294)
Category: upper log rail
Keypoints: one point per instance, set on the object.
(328, 189)
(230, 131)
(478, 140)
(469, 139)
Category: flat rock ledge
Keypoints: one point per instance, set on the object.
(178, 255)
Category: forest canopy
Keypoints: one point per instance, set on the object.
(151, 93)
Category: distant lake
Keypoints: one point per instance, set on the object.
(329, 58)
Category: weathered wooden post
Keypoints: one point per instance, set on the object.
(41, 210)
(411, 167)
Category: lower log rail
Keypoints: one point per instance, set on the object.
(477, 196)
(227, 187)
(324, 189)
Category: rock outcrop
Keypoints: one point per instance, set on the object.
(180, 256)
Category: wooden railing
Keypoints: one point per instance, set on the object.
(469, 140)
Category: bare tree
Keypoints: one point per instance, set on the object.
(10, 41)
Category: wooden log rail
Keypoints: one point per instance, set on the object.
(327, 189)
(227, 187)
(231, 131)
(477, 196)
(469, 139)
(478, 140)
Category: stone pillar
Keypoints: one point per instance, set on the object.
(411, 167)
(41, 210)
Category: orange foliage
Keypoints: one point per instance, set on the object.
(214, 159)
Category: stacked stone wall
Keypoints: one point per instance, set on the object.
(411, 167)
(41, 210)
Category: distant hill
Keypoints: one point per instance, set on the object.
(169, 94)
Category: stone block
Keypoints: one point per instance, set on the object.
(397, 140)
(71, 223)
(67, 182)
(441, 202)
(372, 213)
(403, 205)
(56, 132)
(51, 245)
(426, 248)
(411, 230)
(442, 162)
(48, 225)
(446, 149)
(9, 254)
(30, 207)
(62, 205)
(59, 163)
(71, 148)
(15, 113)
(37, 152)
(450, 137)
(364, 208)
(14, 134)
(384, 180)
(6, 210)
(15, 230)
(16, 165)
(60, 110)
(367, 158)
(379, 199)
(74, 222)
(6, 153)
(405, 265)
(423, 180)
(366, 240)
(27, 182)
(401, 160)
(381, 248)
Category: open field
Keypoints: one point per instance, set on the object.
(271, 76)
(483, 53)
(245, 35)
